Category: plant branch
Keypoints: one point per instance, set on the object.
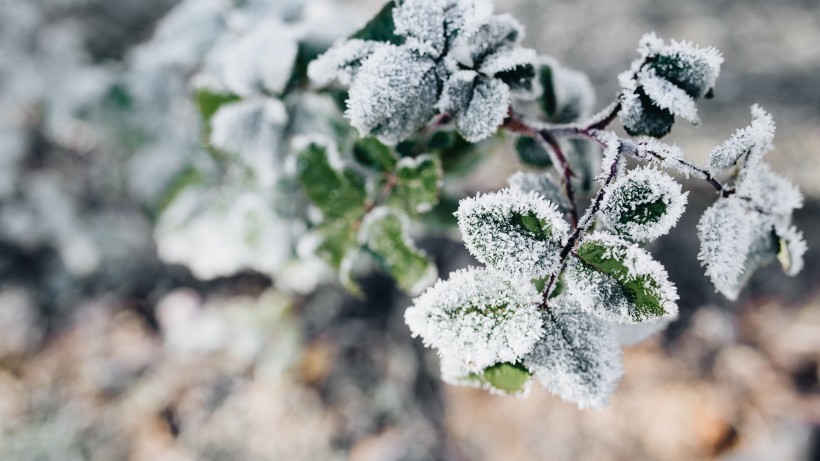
(583, 225)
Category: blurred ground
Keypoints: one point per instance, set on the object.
(143, 362)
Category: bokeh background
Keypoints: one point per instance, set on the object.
(108, 353)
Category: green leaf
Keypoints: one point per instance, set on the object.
(639, 291)
(338, 191)
(306, 53)
(538, 229)
(458, 156)
(371, 153)
(381, 27)
(209, 102)
(531, 153)
(548, 100)
(505, 376)
(384, 234)
(418, 183)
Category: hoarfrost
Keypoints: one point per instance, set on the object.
(605, 296)
(342, 62)
(667, 95)
(754, 141)
(643, 204)
(393, 94)
(478, 104)
(515, 233)
(478, 318)
(577, 358)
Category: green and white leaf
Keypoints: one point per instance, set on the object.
(338, 191)
(384, 233)
(478, 318)
(643, 204)
(515, 233)
(502, 378)
(618, 281)
(418, 184)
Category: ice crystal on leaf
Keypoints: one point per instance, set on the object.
(477, 317)
(618, 281)
(513, 232)
(754, 142)
(751, 228)
(567, 95)
(643, 204)
(419, 56)
(478, 104)
(577, 358)
(664, 82)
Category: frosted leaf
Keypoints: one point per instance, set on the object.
(769, 192)
(393, 94)
(631, 334)
(641, 117)
(754, 141)
(384, 232)
(499, 33)
(577, 358)
(619, 282)
(792, 248)
(694, 69)
(252, 130)
(500, 379)
(666, 95)
(733, 238)
(342, 62)
(477, 317)
(656, 87)
(422, 23)
(186, 33)
(643, 204)
(261, 61)
(542, 183)
(516, 233)
(478, 104)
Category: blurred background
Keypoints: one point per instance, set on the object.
(113, 348)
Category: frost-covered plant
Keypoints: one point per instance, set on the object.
(426, 86)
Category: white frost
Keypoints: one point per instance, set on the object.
(577, 358)
(492, 228)
(478, 318)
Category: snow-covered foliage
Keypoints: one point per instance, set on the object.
(664, 82)
(618, 281)
(643, 204)
(450, 56)
(751, 228)
(578, 358)
(477, 317)
(234, 144)
(513, 232)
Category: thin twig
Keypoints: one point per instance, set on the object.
(583, 225)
